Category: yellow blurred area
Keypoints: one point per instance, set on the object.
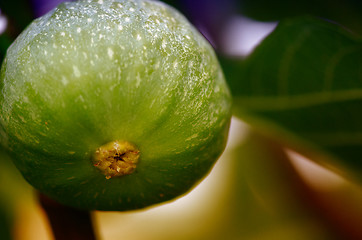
(31, 223)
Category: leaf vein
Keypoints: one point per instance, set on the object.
(337, 138)
(332, 64)
(286, 60)
(270, 103)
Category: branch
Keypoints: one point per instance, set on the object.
(67, 223)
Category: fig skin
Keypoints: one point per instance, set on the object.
(92, 72)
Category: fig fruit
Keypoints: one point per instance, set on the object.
(113, 104)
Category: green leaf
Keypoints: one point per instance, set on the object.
(303, 84)
(346, 12)
(18, 12)
(5, 42)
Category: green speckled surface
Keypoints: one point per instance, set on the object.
(91, 72)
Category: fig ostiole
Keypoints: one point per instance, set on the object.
(113, 104)
(116, 159)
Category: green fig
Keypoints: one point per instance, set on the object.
(113, 104)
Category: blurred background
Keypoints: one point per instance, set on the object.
(257, 190)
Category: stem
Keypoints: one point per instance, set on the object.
(67, 223)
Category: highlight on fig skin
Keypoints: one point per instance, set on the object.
(116, 159)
